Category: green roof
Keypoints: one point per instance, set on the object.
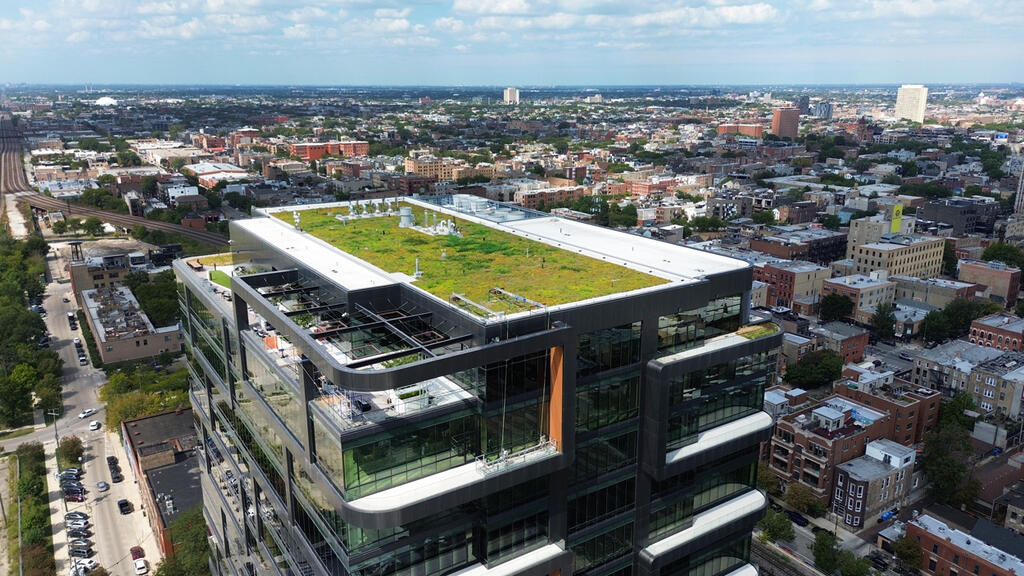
(482, 259)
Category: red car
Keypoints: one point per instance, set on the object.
(74, 498)
(137, 552)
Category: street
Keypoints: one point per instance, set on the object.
(113, 534)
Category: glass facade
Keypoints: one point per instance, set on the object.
(717, 395)
(690, 328)
(297, 462)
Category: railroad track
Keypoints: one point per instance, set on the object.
(13, 181)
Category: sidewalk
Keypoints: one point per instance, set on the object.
(57, 510)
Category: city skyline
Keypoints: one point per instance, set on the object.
(510, 42)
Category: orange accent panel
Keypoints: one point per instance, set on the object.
(555, 413)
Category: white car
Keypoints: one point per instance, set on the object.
(86, 413)
(78, 523)
(94, 425)
(77, 341)
(141, 567)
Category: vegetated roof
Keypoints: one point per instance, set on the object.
(482, 259)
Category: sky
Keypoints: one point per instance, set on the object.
(511, 42)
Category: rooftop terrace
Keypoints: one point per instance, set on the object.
(486, 258)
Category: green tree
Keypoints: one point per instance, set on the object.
(961, 312)
(69, 450)
(777, 526)
(816, 369)
(766, 217)
(801, 498)
(851, 564)
(951, 412)
(150, 186)
(191, 546)
(60, 227)
(949, 259)
(944, 461)
(936, 326)
(15, 401)
(883, 321)
(767, 480)
(826, 552)
(106, 180)
(128, 158)
(707, 224)
(831, 222)
(835, 307)
(908, 552)
(93, 226)
(1005, 253)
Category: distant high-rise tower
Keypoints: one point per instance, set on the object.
(803, 104)
(911, 100)
(512, 96)
(785, 122)
(823, 110)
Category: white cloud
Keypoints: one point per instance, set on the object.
(491, 6)
(461, 48)
(80, 36)
(448, 24)
(391, 13)
(296, 31)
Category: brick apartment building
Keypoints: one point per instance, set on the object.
(1001, 330)
(317, 150)
(933, 291)
(998, 282)
(901, 254)
(845, 340)
(791, 280)
(875, 484)
(807, 445)
(751, 130)
(950, 552)
(811, 244)
(914, 411)
(866, 292)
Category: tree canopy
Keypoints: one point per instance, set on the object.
(816, 369)
(883, 321)
(835, 307)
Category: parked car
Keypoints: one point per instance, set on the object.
(111, 460)
(75, 471)
(86, 413)
(137, 552)
(94, 425)
(79, 533)
(141, 567)
(797, 519)
(124, 506)
(85, 566)
(65, 299)
(80, 552)
(76, 516)
(81, 543)
(74, 498)
(116, 478)
(102, 486)
(78, 523)
(83, 362)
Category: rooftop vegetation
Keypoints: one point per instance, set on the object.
(476, 262)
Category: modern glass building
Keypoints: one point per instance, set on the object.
(402, 387)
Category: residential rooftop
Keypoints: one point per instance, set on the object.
(993, 265)
(838, 329)
(960, 353)
(899, 241)
(972, 544)
(858, 281)
(865, 468)
(176, 487)
(500, 257)
(938, 282)
(1003, 321)
(1009, 365)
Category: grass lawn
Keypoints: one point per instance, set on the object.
(216, 260)
(16, 433)
(221, 278)
(482, 259)
(758, 331)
